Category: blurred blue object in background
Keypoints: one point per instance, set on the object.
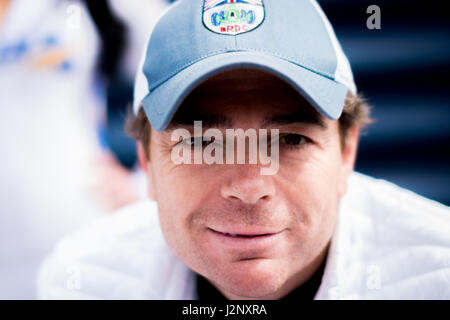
(403, 70)
(123, 32)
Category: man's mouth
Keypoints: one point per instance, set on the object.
(244, 242)
(237, 235)
(245, 234)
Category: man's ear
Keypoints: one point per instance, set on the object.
(348, 158)
(144, 163)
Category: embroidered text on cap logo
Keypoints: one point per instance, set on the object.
(232, 16)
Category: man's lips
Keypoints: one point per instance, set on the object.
(244, 243)
(246, 234)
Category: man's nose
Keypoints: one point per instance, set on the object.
(248, 185)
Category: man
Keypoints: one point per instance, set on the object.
(287, 219)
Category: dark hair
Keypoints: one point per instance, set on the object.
(113, 36)
(356, 113)
(138, 127)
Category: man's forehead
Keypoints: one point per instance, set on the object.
(230, 96)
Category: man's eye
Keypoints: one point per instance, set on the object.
(293, 140)
(190, 142)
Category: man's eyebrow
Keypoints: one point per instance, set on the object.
(309, 118)
(207, 121)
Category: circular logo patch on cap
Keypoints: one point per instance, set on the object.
(232, 17)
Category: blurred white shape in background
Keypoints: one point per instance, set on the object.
(140, 17)
(47, 135)
(49, 108)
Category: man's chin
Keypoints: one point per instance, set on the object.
(251, 279)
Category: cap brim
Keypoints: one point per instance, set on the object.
(325, 94)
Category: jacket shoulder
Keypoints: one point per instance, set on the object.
(397, 239)
(386, 202)
(106, 260)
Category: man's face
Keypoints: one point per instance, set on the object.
(252, 235)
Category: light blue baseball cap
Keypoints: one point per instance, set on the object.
(197, 39)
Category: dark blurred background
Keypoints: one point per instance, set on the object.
(403, 70)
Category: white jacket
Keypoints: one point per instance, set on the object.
(389, 244)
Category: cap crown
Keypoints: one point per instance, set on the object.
(293, 30)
